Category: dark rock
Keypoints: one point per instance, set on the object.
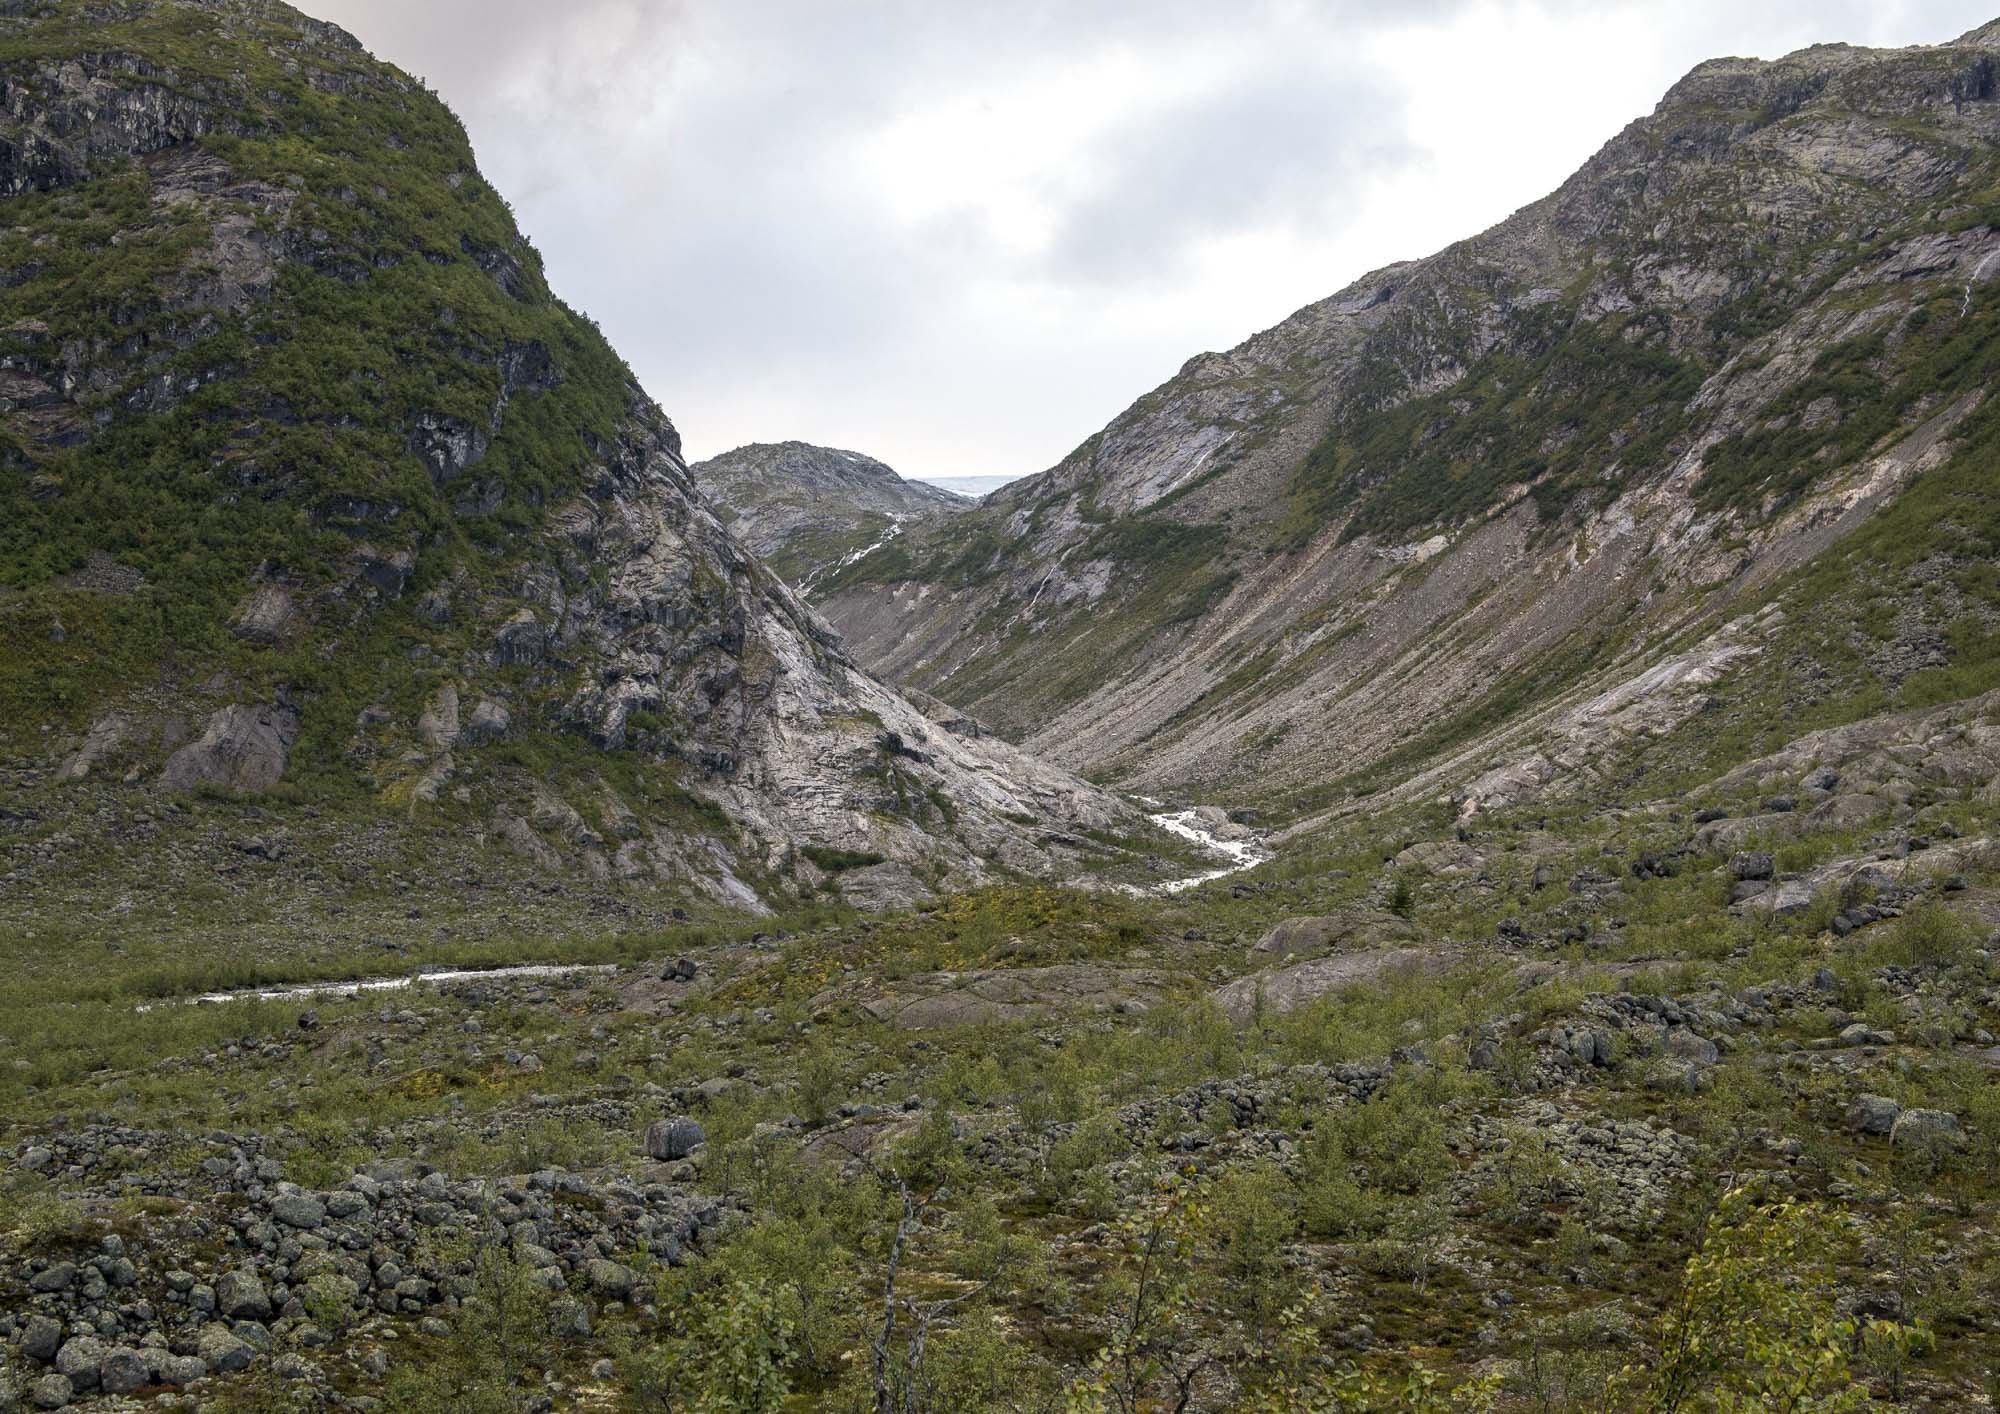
(671, 1139)
(1752, 865)
(1872, 1114)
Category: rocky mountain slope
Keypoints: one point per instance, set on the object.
(806, 510)
(1629, 1045)
(314, 491)
(1564, 478)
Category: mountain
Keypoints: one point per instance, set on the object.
(805, 510)
(971, 487)
(1715, 409)
(314, 492)
(1609, 1023)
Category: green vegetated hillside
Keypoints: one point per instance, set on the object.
(314, 492)
(1610, 1023)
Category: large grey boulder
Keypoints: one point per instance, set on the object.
(671, 1139)
(241, 1296)
(489, 722)
(41, 1338)
(79, 1359)
(1924, 1129)
(1690, 1046)
(298, 1210)
(1337, 932)
(122, 1371)
(1755, 864)
(610, 1279)
(1872, 1114)
(1287, 988)
(220, 1350)
(243, 748)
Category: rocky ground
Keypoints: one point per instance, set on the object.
(1449, 1096)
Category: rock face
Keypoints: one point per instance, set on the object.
(484, 534)
(244, 748)
(1537, 483)
(808, 511)
(1286, 988)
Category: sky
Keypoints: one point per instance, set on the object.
(962, 235)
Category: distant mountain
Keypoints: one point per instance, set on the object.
(1707, 433)
(805, 510)
(972, 486)
(311, 489)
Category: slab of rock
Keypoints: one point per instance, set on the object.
(1283, 989)
(105, 736)
(1337, 932)
(1441, 857)
(265, 615)
(243, 748)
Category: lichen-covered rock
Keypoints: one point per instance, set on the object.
(243, 748)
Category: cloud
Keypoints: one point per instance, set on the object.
(962, 234)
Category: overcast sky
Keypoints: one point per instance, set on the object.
(961, 235)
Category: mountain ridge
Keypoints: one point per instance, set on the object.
(1575, 400)
(313, 487)
(805, 509)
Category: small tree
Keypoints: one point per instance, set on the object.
(1754, 1328)
(1149, 1363)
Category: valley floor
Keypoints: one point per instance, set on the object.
(1643, 1107)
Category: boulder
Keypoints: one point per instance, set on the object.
(1872, 1114)
(489, 722)
(1338, 932)
(298, 1210)
(1689, 1046)
(220, 1350)
(41, 1338)
(1923, 1129)
(671, 1139)
(80, 1359)
(610, 1279)
(240, 1296)
(123, 1370)
(58, 1276)
(1283, 989)
(1750, 865)
(51, 1392)
(242, 748)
